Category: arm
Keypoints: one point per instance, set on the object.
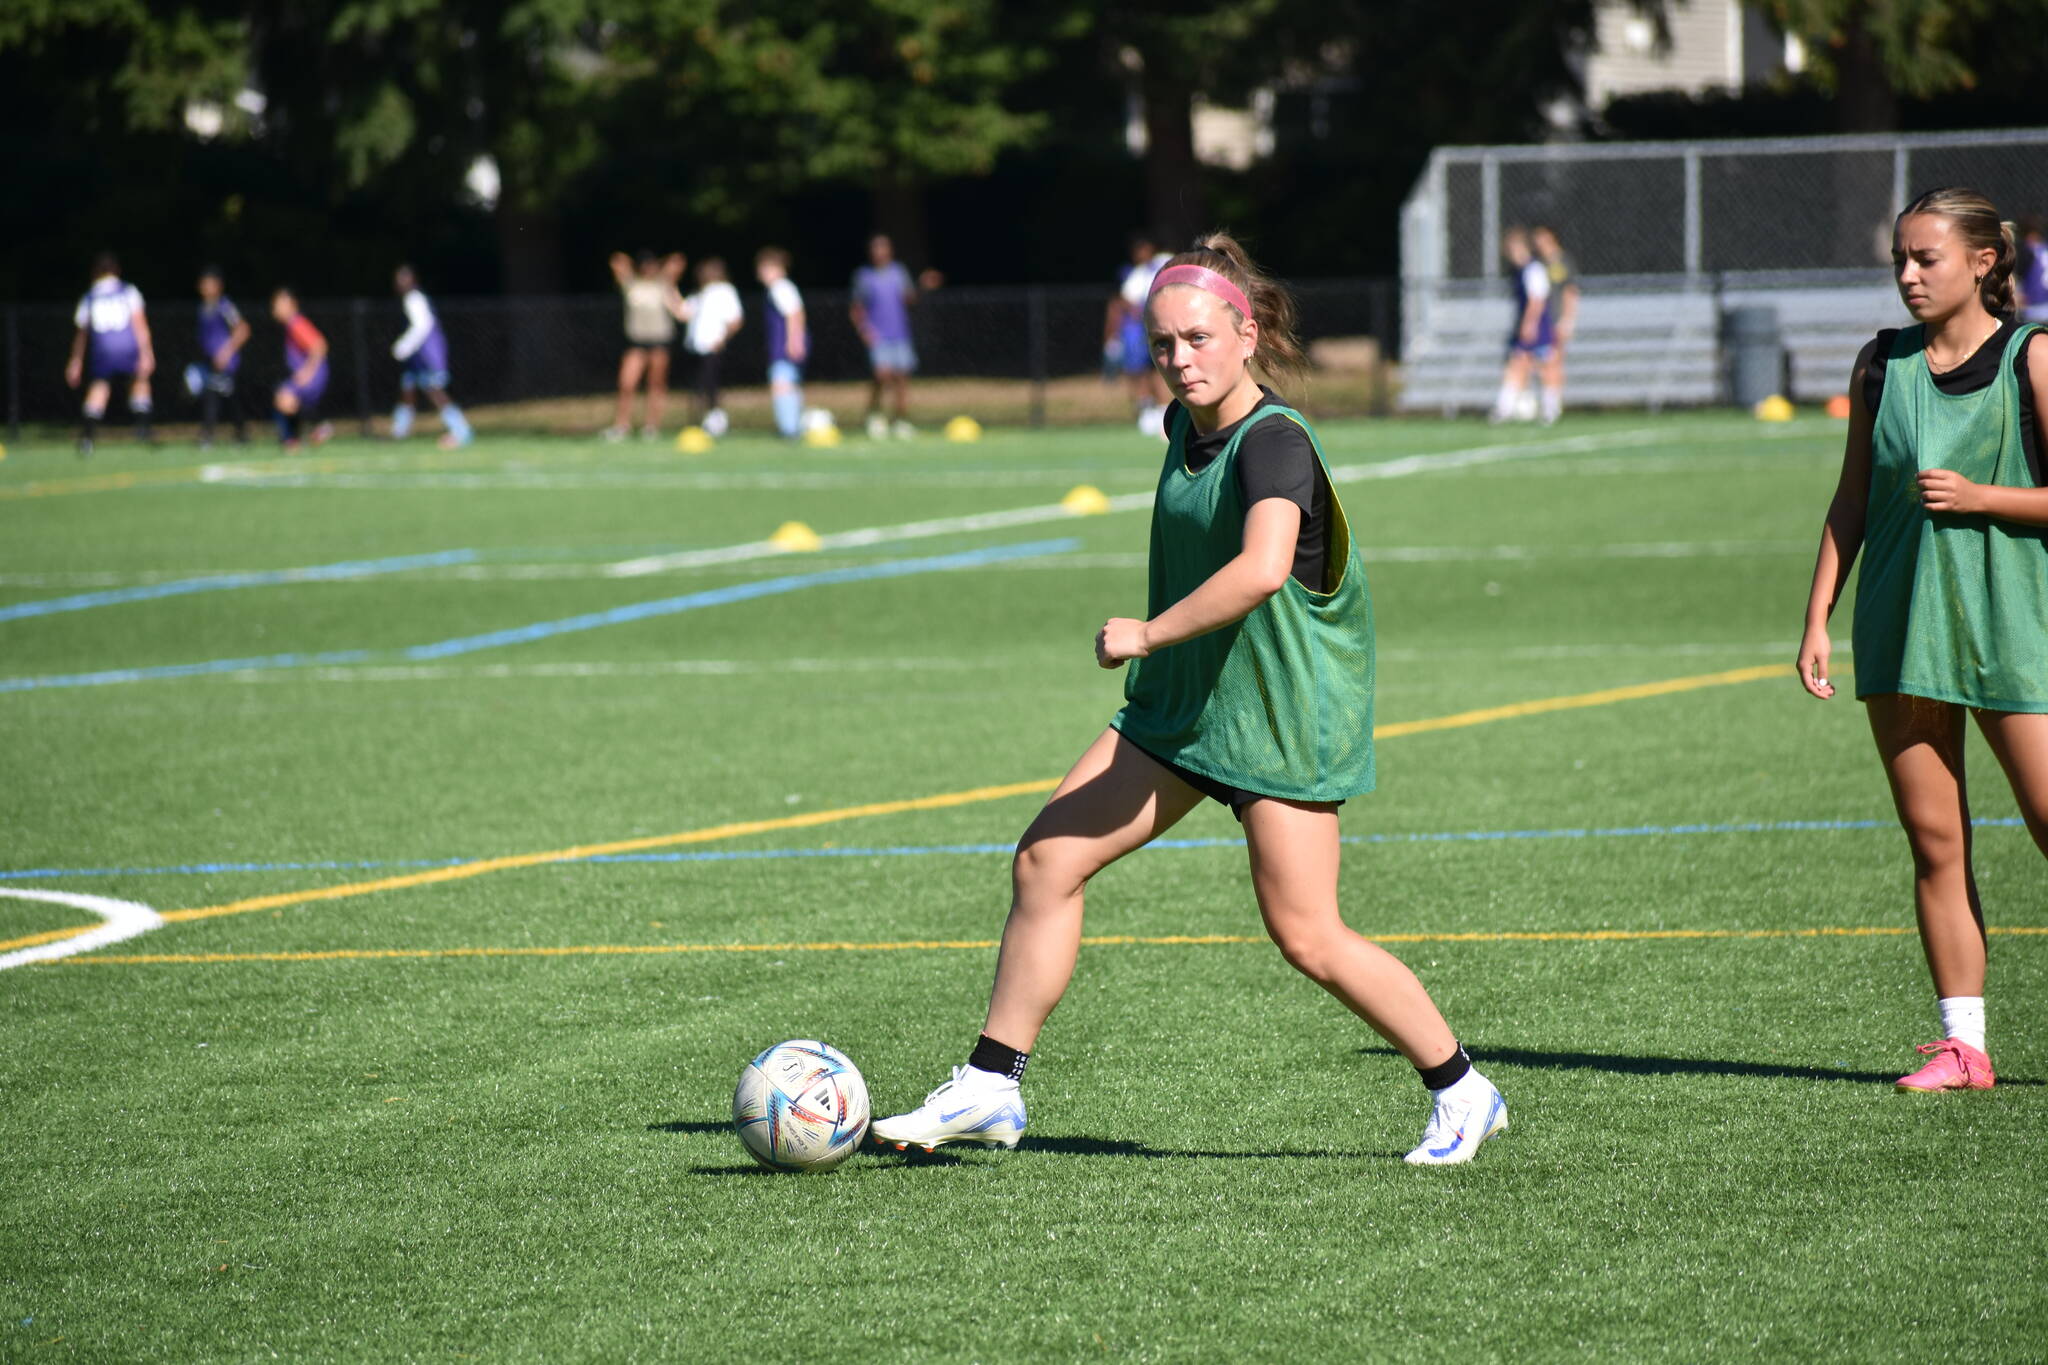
(1568, 312)
(859, 314)
(622, 268)
(419, 322)
(238, 337)
(1532, 314)
(672, 266)
(1841, 536)
(74, 366)
(145, 347)
(316, 356)
(1260, 569)
(799, 337)
(678, 307)
(1944, 490)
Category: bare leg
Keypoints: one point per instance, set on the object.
(657, 385)
(899, 384)
(2020, 743)
(1114, 800)
(1294, 853)
(631, 366)
(1921, 743)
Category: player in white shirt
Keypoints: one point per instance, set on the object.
(1123, 330)
(714, 314)
(1535, 334)
(112, 342)
(423, 348)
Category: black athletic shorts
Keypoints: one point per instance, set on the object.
(1234, 798)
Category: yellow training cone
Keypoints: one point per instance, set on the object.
(794, 535)
(693, 440)
(963, 428)
(821, 436)
(1086, 500)
(1774, 409)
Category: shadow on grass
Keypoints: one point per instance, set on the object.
(1056, 1146)
(692, 1126)
(1622, 1064)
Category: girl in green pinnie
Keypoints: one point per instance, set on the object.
(1943, 491)
(1250, 682)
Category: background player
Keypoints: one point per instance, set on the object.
(1944, 492)
(883, 296)
(423, 349)
(1564, 312)
(112, 342)
(788, 339)
(1257, 592)
(2030, 272)
(305, 381)
(223, 332)
(653, 307)
(1534, 335)
(715, 314)
(1123, 331)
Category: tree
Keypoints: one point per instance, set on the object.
(1867, 53)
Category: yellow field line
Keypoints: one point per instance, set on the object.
(1605, 697)
(479, 867)
(939, 945)
(47, 936)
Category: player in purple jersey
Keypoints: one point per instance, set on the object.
(789, 339)
(883, 296)
(223, 332)
(2030, 280)
(305, 363)
(112, 342)
(423, 350)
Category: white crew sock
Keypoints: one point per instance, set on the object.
(1962, 1018)
(1553, 404)
(1504, 404)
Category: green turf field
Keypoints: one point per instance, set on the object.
(487, 1116)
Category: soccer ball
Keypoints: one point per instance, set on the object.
(801, 1106)
(716, 423)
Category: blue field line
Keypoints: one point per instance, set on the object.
(260, 578)
(741, 855)
(739, 592)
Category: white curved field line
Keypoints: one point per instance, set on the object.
(124, 920)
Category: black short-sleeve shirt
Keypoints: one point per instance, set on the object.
(1277, 460)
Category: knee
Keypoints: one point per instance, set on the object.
(1311, 949)
(1938, 846)
(1040, 869)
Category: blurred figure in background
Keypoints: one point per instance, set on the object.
(112, 342)
(653, 308)
(1530, 343)
(1123, 333)
(883, 296)
(714, 314)
(423, 349)
(1564, 313)
(2030, 280)
(223, 332)
(789, 340)
(305, 381)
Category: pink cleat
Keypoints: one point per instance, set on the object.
(1956, 1066)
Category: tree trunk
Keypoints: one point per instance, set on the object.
(900, 213)
(1864, 99)
(1174, 202)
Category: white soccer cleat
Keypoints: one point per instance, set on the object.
(975, 1106)
(878, 427)
(1465, 1115)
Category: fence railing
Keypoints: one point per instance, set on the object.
(528, 349)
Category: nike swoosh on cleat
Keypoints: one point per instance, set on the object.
(1446, 1151)
(948, 1118)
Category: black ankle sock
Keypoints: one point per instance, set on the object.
(1448, 1072)
(1001, 1058)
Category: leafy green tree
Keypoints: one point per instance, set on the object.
(1868, 53)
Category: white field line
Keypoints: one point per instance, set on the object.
(720, 668)
(1130, 502)
(124, 920)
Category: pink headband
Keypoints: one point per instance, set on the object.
(1201, 277)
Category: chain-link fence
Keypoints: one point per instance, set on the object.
(1667, 239)
(1011, 355)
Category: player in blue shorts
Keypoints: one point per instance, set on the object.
(423, 349)
(223, 332)
(112, 342)
(305, 361)
(789, 339)
(1535, 333)
(883, 296)
(1123, 334)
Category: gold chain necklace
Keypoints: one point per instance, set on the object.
(1945, 369)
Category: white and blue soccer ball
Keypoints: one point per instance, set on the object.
(801, 1106)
